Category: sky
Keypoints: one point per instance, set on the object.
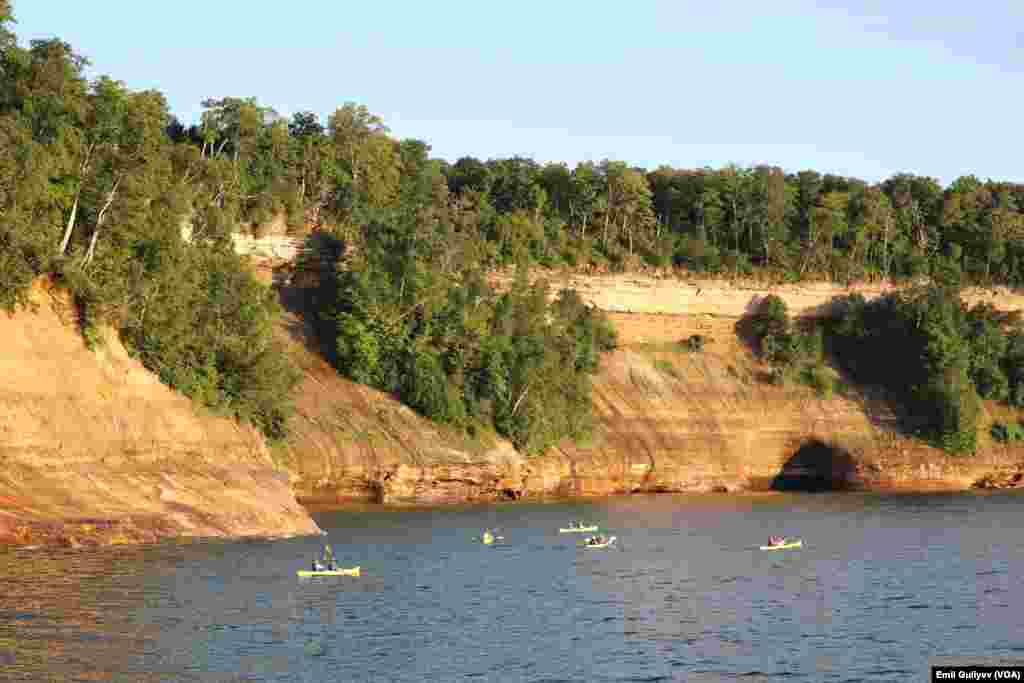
(865, 88)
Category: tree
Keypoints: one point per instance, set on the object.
(232, 125)
(634, 203)
(7, 38)
(469, 174)
(831, 221)
(104, 127)
(135, 123)
(873, 213)
(1005, 224)
(583, 194)
(773, 216)
(808, 184)
(516, 186)
(556, 180)
(305, 124)
(351, 128)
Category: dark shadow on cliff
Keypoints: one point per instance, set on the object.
(745, 326)
(298, 286)
(815, 467)
(885, 409)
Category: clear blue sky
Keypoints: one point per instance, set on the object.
(862, 87)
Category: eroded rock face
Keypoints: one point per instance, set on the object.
(667, 421)
(679, 295)
(353, 443)
(94, 449)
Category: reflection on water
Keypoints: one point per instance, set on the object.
(883, 584)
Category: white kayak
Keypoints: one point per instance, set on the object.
(606, 544)
(350, 571)
(578, 529)
(785, 545)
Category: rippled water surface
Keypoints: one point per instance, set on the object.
(882, 585)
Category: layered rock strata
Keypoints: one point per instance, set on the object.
(94, 449)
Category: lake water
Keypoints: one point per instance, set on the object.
(883, 585)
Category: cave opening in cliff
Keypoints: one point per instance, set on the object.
(817, 466)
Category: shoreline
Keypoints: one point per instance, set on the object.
(133, 530)
(916, 488)
(96, 533)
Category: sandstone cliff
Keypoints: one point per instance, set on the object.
(667, 419)
(94, 449)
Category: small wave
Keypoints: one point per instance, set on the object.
(1013, 648)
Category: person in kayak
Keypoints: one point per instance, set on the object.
(488, 537)
(776, 540)
(328, 558)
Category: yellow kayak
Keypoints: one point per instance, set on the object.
(578, 529)
(798, 543)
(351, 571)
(489, 539)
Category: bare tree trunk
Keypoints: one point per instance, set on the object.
(99, 222)
(71, 226)
(78, 194)
(515, 408)
(885, 252)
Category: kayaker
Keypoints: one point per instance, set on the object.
(488, 537)
(328, 558)
(776, 540)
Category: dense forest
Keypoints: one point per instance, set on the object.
(105, 191)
